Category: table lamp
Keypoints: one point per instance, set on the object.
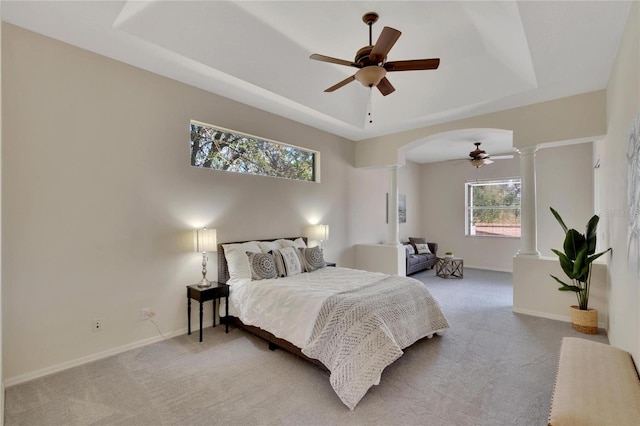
(206, 241)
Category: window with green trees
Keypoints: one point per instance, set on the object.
(227, 150)
(493, 208)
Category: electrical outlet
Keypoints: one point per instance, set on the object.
(146, 313)
(97, 324)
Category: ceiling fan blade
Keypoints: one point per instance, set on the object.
(385, 42)
(329, 59)
(502, 157)
(385, 87)
(342, 83)
(413, 65)
(486, 161)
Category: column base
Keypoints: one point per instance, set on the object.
(528, 253)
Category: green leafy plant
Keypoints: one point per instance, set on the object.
(449, 253)
(577, 258)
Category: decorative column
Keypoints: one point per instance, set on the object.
(392, 213)
(528, 221)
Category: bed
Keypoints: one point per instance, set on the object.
(352, 323)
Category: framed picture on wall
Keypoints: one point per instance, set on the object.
(402, 208)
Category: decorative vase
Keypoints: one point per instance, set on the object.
(584, 321)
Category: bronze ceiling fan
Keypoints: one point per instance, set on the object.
(479, 157)
(371, 60)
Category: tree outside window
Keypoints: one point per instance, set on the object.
(228, 150)
(493, 208)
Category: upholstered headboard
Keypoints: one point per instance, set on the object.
(223, 271)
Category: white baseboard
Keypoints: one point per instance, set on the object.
(564, 318)
(79, 361)
(489, 269)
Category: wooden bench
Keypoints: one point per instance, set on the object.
(596, 384)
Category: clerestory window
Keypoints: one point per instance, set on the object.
(228, 150)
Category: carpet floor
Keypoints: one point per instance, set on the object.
(493, 367)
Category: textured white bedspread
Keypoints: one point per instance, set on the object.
(359, 333)
(287, 307)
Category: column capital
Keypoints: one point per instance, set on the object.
(529, 149)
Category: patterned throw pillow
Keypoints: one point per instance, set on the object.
(312, 258)
(417, 240)
(422, 249)
(288, 261)
(262, 266)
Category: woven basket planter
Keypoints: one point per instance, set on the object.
(584, 321)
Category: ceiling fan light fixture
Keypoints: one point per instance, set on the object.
(370, 76)
(477, 162)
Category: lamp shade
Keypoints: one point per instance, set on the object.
(318, 232)
(206, 240)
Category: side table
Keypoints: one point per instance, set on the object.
(202, 294)
(452, 267)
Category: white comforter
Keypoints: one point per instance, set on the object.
(290, 315)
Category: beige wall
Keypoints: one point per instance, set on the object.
(623, 103)
(564, 181)
(367, 192)
(99, 199)
(572, 118)
(443, 204)
(536, 293)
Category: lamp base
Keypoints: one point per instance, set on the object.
(204, 283)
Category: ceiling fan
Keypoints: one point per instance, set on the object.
(479, 157)
(371, 60)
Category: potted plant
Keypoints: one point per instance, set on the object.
(448, 255)
(576, 262)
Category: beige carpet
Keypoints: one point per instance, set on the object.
(493, 367)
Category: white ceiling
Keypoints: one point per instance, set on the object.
(494, 55)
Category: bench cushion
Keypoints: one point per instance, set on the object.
(596, 384)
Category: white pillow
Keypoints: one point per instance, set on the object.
(267, 246)
(237, 260)
(285, 243)
(299, 242)
(288, 261)
(423, 249)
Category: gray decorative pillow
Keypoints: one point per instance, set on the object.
(312, 258)
(262, 266)
(288, 261)
(415, 240)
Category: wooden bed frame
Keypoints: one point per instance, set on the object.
(274, 342)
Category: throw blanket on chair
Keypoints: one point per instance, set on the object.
(360, 332)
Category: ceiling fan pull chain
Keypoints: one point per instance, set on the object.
(370, 106)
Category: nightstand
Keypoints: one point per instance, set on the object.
(203, 294)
